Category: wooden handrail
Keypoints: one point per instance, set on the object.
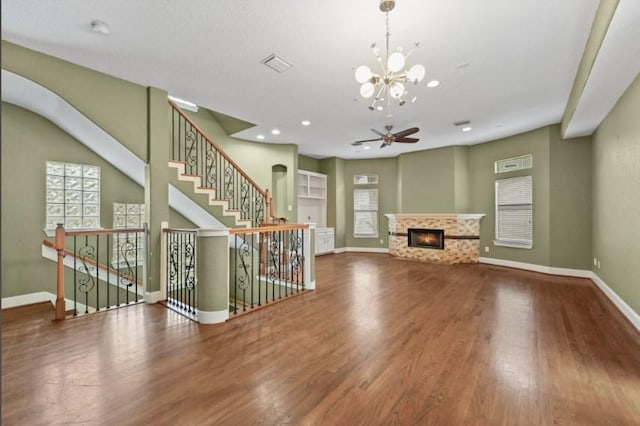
(217, 147)
(90, 262)
(269, 228)
(190, 231)
(103, 231)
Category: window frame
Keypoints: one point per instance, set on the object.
(372, 211)
(499, 239)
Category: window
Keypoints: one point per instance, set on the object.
(514, 212)
(365, 213)
(73, 196)
(129, 246)
(365, 179)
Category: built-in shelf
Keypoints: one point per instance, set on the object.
(312, 198)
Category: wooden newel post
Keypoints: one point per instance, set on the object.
(267, 206)
(59, 244)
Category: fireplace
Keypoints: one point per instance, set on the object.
(426, 238)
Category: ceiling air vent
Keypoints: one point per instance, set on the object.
(513, 164)
(276, 63)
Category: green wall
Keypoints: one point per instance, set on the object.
(256, 159)
(309, 164)
(28, 142)
(482, 189)
(570, 203)
(386, 169)
(433, 181)
(119, 107)
(616, 197)
(336, 212)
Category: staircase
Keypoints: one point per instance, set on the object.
(216, 179)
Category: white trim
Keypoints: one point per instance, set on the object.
(34, 97)
(28, 299)
(212, 232)
(362, 250)
(340, 250)
(153, 296)
(476, 216)
(311, 285)
(191, 210)
(212, 317)
(580, 273)
(514, 244)
(622, 306)
(38, 297)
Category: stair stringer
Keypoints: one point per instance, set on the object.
(206, 197)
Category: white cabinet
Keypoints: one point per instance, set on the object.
(312, 185)
(325, 240)
(312, 198)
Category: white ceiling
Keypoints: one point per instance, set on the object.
(508, 66)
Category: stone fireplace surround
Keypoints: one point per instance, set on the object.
(461, 234)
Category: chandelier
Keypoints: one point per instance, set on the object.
(389, 84)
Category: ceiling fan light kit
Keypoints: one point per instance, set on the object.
(389, 84)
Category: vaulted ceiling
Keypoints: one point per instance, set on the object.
(507, 66)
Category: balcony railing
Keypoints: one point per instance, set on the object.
(180, 271)
(107, 269)
(267, 265)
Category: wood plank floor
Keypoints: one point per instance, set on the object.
(381, 341)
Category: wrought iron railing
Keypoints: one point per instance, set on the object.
(267, 265)
(180, 271)
(204, 158)
(107, 269)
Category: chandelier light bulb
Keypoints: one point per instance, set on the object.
(367, 90)
(396, 90)
(363, 74)
(395, 62)
(416, 73)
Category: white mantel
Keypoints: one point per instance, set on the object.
(461, 236)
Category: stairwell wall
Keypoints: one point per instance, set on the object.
(28, 142)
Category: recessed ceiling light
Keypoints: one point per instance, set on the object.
(275, 132)
(305, 122)
(367, 147)
(261, 137)
(100, 27)
(379, 107)
(466, 129)
(433, 83)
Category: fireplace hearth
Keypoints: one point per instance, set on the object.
(425, 238)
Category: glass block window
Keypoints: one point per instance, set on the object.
(128, 246)
(73, 195)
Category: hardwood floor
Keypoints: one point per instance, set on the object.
(381, 341)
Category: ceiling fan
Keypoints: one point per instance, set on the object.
(388, 138)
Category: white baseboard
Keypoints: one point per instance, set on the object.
(310, 285)
(361, 250)
(212, 317)
(581, 273)
(37, 297)
(153, 296)
(28, 299)
(622, 306)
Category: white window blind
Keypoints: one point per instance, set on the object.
(514, 212)
(365, 213)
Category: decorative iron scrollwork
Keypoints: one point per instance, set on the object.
(87, 256)
(244, 269)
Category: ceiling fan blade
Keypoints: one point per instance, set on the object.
(407, 140)
(377, 132)
(406, 132)
(356, 143)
